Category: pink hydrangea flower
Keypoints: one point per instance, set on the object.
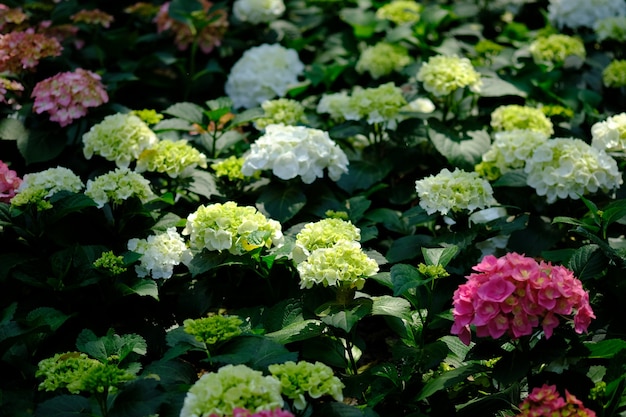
(93, 17)
(515, 294)
(67, 95)
(546, 401)
(9, 183)
(21, 51)
(7, 85)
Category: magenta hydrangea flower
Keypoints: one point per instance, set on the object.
(9, 183)
(546, 401)
(515, 294)
(21, 51)
(67, 95)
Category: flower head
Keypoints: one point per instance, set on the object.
(546, 401)
(263, 73)
(9, 183)
(21, 51)
(515, 294)
(383, 59)
(583, 13)
(213, 329)
(323, 234)
(39, 186)
(614, 75)
(454, 191)
(515, 117)
(258, 11)
(229, 168)
(120, 138)
(400, 11)
(149, 116)
(67, 95)
(569, 167)
(281, 111)
(277, 412)
(175, 158)
(93, 17)
(10, 18)
(292, 151)
(116, 186)
(160, 253)
(110, 263)
(610, 135)
(7, 85)
(611, 28)
(442, 75)
(557, 49)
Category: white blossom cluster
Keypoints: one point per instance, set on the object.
(583, 13)
(258, 11)
(117, 186)
(610, 135)
(160, 253)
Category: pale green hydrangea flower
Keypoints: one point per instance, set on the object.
(37, 187)
(334, 104)
(229, 168)
(238, 229)
(213, 329)
(442, 75)
(569, 167)
(510, 150)
(281, 111)
(175, 158)
(400, 12)
(611, 28)
(111, 263)
(117, 186)
(323, 234)
(614, 75)
(610, 135)
(149, 116)
(516, 117)
(382, 59)
(342, 265)
(300, 378)
(120, 138)
(232, 386)
(258, 11)
(454, 191)
(292, 151)
(160, 253)
(558, 50)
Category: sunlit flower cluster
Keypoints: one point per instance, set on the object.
(175, 158)
(583, 13)
(614, 75)
(213, 329)
(610, 135)
(263, 73)
(516, 117)
(281, 111)
(160, 253)
(111, 263)
(557, 49)
(21, 51)
(9, 183)
(229, 168)
(231, 387)
(383, 59)
(120, 137)
(292, 151)
(442, 75)
(93, 17)
(611, 28)
(569, 167)
(238, 229)
(323, 234)
(150, 116)
(454, 191)
(546, 401)
(39, 186)
(117, 186)
(515, 294)
(400, 11)
(67, 95)
(7, 85)
(300, 378)
(258, 11)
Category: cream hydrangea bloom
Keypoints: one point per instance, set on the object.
(175, 158)
(400, 11)
(610, 135)
(262, 73)
(160, 253)
(611, 28)
(258, 11)
(39, 186)
(334, 105)
(120, 138)
(117, 186)
(322, 234)
(516, 117)
(558, 49)
(441, 75)
(614, 75)
(569, 167)
(382, 59)
(583, 13)
(292, 151)
(281, 111)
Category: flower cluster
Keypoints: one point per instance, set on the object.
(10, 17)
(291, 151)
(149, 116)
(515, 117)
(583, 13)
(120, 137)
(231, 387)
(208, 33)
(9, 183)
(111, 263)
(611, 28)
(38, 186)
(546, 401)
(323, 234)
(160, 253)
(258, 11)
(281, 111)
(67, 95)
(22, 50)
(238, 229)
(558, 50)
(610, 135)
(569, 167)
(383, 59)
(400, 12)
(454, 191)
(93, 17)
(514, 294)
(175, 158)
(213, 329)
(242, 412)
(262, 73)
(116, 186)
(7, 85)
(442, 75)
(300, 378)
(229, 168)
(614, 75)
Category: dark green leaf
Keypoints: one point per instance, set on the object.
(205, 261)
(256, 352)
(439, 256)
(173, 124)
(462, 153)
(182, 10)
(450, 378)
(171, 372)
(40, 146)
(390, 219)
(605, 349)
(281, 203)
(515, 178)
(364, 174)
(407, 247)
(247, 116)
(203, 184)
(302, 330)
(138, 398)
(588, 262)
(64, 406)
(386, 305)
(140, 286)
(345, 317)
(186, 111)
(405, 277)
(46, 316)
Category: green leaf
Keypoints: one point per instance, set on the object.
(102, 348)
(613, 212)
(254, 351)
(494, 86)
(345, 317)
(65, 406)
(247, 116)
(605, 349)
(40, 146)
(302, 330)
(407, 247)
(182, 10)
(12, 129)
(171, 372)
(184, 110)
(205, 261)
(405, 277)
(46, 316)
(364, 174)
(140, 286)
(203, 184)
(514, 178)
(462, 153)
(390, 219)
(387, 305)
(281, 203)
(439, 256)
(357, 206)
(450, 378)
(588, 262)
(173, 124)
(65, 202)
(138, 398)
(337, 409)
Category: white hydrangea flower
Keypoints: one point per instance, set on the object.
(334, 104)
(291, 151)
(569, 167)
(322, 234)
(160, 253)
(262, 73)
(117, 186)
(610, 134)
(583, 13)
(52, 180)
(258, 11)
(441, 75)
(454, 191)
(382, 59)
(511, 149)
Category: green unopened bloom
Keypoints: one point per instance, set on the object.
(117, 186)
(556, 49)
(113, 264)
(400, 12)
(300, 378)
(383, 59)
(611, 28)
(516, 117)
(174, 158)
(432, 271)
(214, 328)
(614, 75)
(37, 187)
(281, 111)
(323, 234)
(442, 75)
(160, 253)
(149, 116)
(229, 168)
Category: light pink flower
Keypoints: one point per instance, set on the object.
(21, 51)
(9, 183)
(546, 401)
(93, 17)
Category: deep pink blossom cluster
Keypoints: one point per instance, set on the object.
(514, 294)
(546, 401)
(21, 51)
(242, 412)
(67, 95)
(9, 183)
